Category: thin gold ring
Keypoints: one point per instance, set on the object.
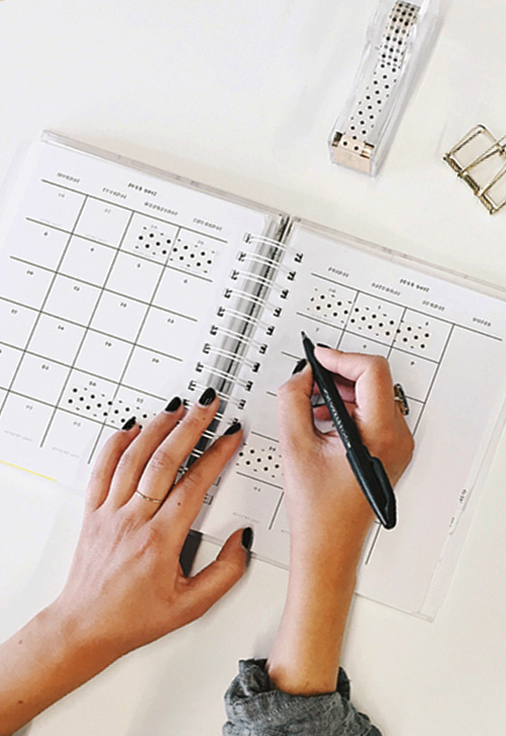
(400, 398)
(148, 498)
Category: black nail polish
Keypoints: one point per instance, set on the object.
(235, 427)
(247, 538)
(322, 345)
(207, 397)
(300, 365)
(173, 405)
(128, 424)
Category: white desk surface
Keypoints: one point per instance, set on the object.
(242, 96)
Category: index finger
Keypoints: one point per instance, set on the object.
(374, 392)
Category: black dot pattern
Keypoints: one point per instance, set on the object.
(372, 100)
(262, 461)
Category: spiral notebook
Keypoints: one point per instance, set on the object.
(121, 286)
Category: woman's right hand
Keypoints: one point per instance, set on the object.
(323, 498)
(328, 513)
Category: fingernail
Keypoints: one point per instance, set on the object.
(247, 541)
(207, 397)
(322, 345)
(128, 424)
(173, 405)
(235, 427)
(300, 365)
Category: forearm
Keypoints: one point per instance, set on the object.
(305, 656)
(39, 665)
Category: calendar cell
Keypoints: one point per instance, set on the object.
(356, 344)
(193, 253)
(421, 334)
(24, 284)
(289, 341)
(53, 205)
(260, 460)
(72, 300)
(71, 436)
(416, 374)
(330, 302)
(87, 261)
(56, 338)
(102, 222)
(40, 378)
(375, 319)
(191, 293)
(103, 355)
(155, 371)
(119, 316)
(38, 244)
(10, 358)
(16, 323)
(88, 396)
(149, 238)
(135, 277)
(168, 332)
(246, 502)
(24, 418)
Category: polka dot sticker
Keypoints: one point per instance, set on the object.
(332, 304)
(193, 253)
(150, 238)
(259, 459)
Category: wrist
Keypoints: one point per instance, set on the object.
(40, 664)
(78, 640)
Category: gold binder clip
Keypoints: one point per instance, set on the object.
(480, 160)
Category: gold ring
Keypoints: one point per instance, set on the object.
(400, 398)
(148, 498)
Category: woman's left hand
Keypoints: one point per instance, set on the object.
(126, 587)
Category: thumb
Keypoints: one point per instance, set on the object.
(211, 583)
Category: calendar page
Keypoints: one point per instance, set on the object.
(445, 343)
(109, 279)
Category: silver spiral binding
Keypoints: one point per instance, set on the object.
(242, 315)
(249, 276)
(200, 368)
(244, 256)
(239, 337)
(209, 349)
(243, 294)
(267, 241)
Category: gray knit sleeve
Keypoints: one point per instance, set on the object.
(255, 709)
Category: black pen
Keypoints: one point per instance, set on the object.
(368, 470)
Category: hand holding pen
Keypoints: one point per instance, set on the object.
(368, 469)
(328, 512)
(365, 386)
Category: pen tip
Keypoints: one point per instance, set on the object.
(303, 334)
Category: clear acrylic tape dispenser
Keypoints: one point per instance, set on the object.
(400, 38)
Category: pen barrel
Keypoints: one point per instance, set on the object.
(370, 473)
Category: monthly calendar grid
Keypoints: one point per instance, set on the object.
(42, 310)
